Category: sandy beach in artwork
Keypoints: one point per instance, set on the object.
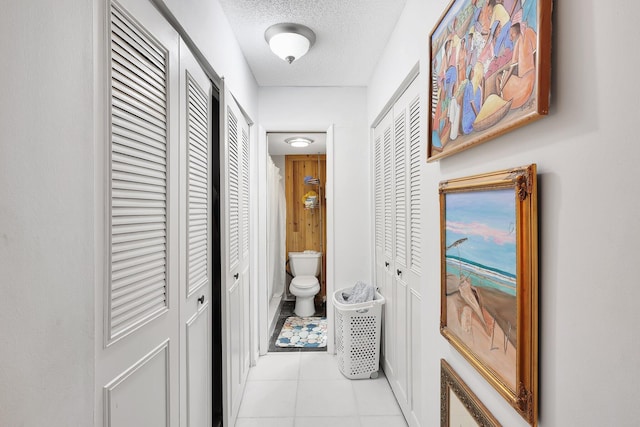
(484, 319)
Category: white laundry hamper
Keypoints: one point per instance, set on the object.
(357, 335)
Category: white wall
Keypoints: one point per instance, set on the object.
(208, 27)
(46, 214)
(587, 156)
(315, 109)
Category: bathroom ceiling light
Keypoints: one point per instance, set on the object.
(289, 41)
(299, 141)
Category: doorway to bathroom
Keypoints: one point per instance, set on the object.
(296, 222)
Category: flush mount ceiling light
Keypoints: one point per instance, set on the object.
(298, 141)
(289, 41)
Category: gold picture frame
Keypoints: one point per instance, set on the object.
(459, 406)
(490, 68)
(489, 279)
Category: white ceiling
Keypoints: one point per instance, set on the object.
(350, 37)
(278, 147)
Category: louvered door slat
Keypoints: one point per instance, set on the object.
(138, 287)
(137, 281)
(198, 179)
(125, 299)
(400, 189)
(138, 168)
(197, 250)
(133, 130)
(119, 90)
(199, 108)
(153, 130)
(415, 163)
(198, 166)
(133, 155)
(234, 177)
(124, 78)
(121, 27)
(126, 102)
(379, 192)
(147, 245)
(154, 302)
(142, 235)
(156, 183)
(388, 187)
(245, 191)
(128, 142)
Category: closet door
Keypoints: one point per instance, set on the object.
(400, 252)
(415, 162)
(235, 255)
(137, 369)
(397, 163)
(195, 242)
(384, 234)
(407, 143)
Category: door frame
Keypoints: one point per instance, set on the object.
(262, 325)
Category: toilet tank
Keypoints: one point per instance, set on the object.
(305, 263)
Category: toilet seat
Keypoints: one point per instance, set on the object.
(304, 282)
(304, 288)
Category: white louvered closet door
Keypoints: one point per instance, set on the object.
(398, 158)
(415, 162)
(235, 207)
(384, 226)
(137, 369)
(195, 242)
(407, 143)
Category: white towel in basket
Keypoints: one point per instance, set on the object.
(360, 292)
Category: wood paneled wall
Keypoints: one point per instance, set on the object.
(306, 228)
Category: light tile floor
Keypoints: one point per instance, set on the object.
(301, 389)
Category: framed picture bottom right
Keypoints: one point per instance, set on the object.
(459, 407)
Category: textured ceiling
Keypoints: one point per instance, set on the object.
(350, 37)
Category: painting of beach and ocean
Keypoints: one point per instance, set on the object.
(480, 257)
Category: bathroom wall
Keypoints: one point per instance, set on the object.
(587, 156)
(315, 109)
(306, 227)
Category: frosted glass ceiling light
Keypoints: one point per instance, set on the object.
(289, 41)
(298, 142)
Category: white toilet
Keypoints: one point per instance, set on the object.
(305, 266)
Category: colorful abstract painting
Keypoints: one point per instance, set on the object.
(489, 71)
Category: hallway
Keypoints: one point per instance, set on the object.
(306, 389)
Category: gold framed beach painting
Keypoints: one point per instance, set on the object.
(489, 279)
(490, 71)
(459, 407)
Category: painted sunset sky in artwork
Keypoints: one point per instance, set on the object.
(486, 219)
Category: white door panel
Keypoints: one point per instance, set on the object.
(195, 241)
(397, 162)
(235, 232)
(137, 367)
(198, 368)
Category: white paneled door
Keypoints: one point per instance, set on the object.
(195, 242)
(155, 365)
(383, 196)
(137, 368)
(397, 162)
(234, 180)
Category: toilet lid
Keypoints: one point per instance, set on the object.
(304, 281)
